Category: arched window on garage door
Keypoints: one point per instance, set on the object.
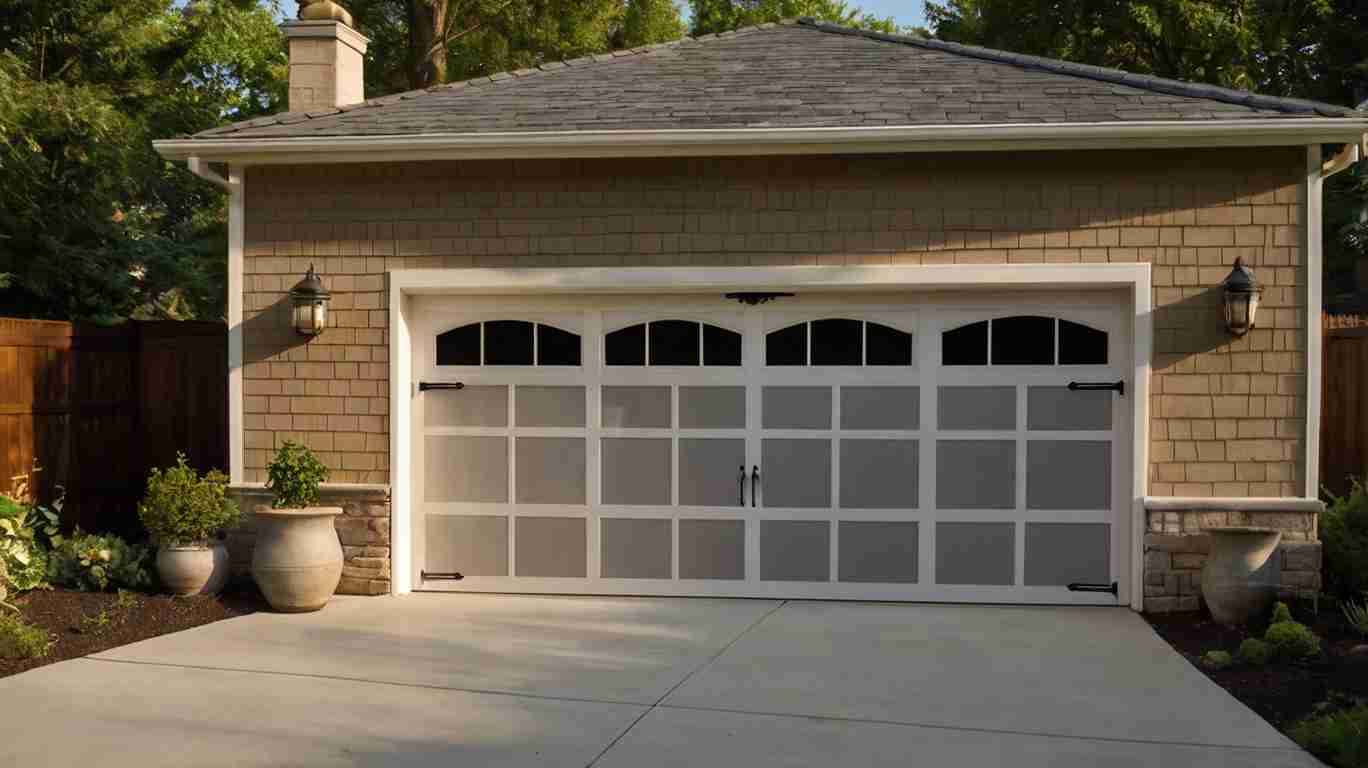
(1024, 340)
(838, 341)
(674, 343)
(508, 342)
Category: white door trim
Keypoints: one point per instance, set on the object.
(1135, 278)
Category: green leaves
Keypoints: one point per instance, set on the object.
(294, 475)
(97, 562)
(180, 507)
(709, 16)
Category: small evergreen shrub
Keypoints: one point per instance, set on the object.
(1255, 651)
(1281, 613)
(1216, 659)
(1340, 739)
(1344, 542)
(20, 640)
(293, 476)
(180, 507)
(95, 563)
(1293, 640)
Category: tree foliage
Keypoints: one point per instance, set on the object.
(93, 224)
(1312, 49)
(709, 16)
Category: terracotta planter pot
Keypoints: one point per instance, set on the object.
(1240, 580)
(193, 569)
(297, 560)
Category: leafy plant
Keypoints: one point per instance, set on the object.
(1293, 640)
(1217, 659)
(1255, 651)
(1339, 738)
(293, 476)
(114, 614)
(1281, 613)
(24, 558)
(1357, 615)
(180, 507)
(20, 640)
(96, 562)
(1344, 539)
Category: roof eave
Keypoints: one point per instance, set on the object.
(1285, 131)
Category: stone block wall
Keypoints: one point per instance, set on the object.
(1176, 548)
(363, 529)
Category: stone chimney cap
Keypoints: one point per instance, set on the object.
(323, 10)
(328, 28)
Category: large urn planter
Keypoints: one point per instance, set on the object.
(297, 560)
(199, 568)
(1240, 579)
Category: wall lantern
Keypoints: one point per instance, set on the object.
(1241, 299)
(310, 300)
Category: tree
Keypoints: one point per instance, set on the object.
(710, 16)
(420, 43)
(1312, 49)
(93, 224)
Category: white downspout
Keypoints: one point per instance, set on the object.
(236, 214)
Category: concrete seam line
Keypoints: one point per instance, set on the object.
(972, 729)
(684, 680)
(369, 681)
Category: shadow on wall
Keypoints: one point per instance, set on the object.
(270, 335)
(1192, 326)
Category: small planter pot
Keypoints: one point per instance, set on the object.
(193, 569)
(1240, 580)
(297, 560)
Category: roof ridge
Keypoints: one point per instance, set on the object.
(621, 54)
(1103, 74)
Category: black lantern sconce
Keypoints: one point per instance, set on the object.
(1241, 294)
(310, 300)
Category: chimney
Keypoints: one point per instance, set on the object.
(326, 57)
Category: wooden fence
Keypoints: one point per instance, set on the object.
(1344, 401)
(98, 407)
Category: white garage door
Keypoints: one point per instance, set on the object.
(896, 447)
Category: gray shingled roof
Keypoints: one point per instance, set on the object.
(793, 74)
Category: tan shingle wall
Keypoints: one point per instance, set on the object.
(1228, 417)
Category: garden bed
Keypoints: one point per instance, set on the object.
(82, 623)
(1282, 692)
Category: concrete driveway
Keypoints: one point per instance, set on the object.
(484, 680)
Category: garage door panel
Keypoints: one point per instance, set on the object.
(796, 473)
(1058, 554)
(471, 545)
(636, 470)
(878, 552)
(550, 470)
(551, 547)
(712, 549)
(636, 407)
(465, 469)
(975, 474)
(712, 407)
(1062, 409)
(473, 406)
(879, 474)
(976, 408)
(795, 550)
(710, 470)
(1068, 474)
(880, 408)
(796, 408)
(976, 553)
(550, 406)
(632, 548)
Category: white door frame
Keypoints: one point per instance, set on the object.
(404, 283)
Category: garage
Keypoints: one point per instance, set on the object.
(876, 445)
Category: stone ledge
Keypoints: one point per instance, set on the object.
(1232, 504)
(326, 489)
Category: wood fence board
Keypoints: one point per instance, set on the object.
(98, 407)
(1344, 402)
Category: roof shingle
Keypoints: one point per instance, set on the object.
(792, 74)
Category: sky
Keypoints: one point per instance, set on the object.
(905, 12)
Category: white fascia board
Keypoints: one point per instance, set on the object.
(1287, 131)
(790, 278)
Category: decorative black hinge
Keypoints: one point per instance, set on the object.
(424, 386)
(1080, 587)
(1090, 386)
(439, 576)
(751, 298)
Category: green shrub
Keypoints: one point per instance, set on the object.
(95, 563)
(1255, 651)
(1340, 739)
(1281, 613)
(1357, 615)
(293, 476)
(23, 556)
(180, 507)
(1293, 640)
(1344, 541)
(19, 640)
(1216, 659)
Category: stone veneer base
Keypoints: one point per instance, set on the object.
(1176, 546)
(363, 529)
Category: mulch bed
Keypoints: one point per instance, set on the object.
(74, 619)
(1282, 692)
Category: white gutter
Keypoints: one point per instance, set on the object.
(1289, 131)
(1351, 153)
(201, 169)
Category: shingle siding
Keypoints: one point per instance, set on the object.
(1228, 417)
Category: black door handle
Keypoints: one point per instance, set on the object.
(1092, 386)
(424, 386)
(741, 488)
(755, 482)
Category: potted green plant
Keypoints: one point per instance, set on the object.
(183, 512)
(297, 561)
